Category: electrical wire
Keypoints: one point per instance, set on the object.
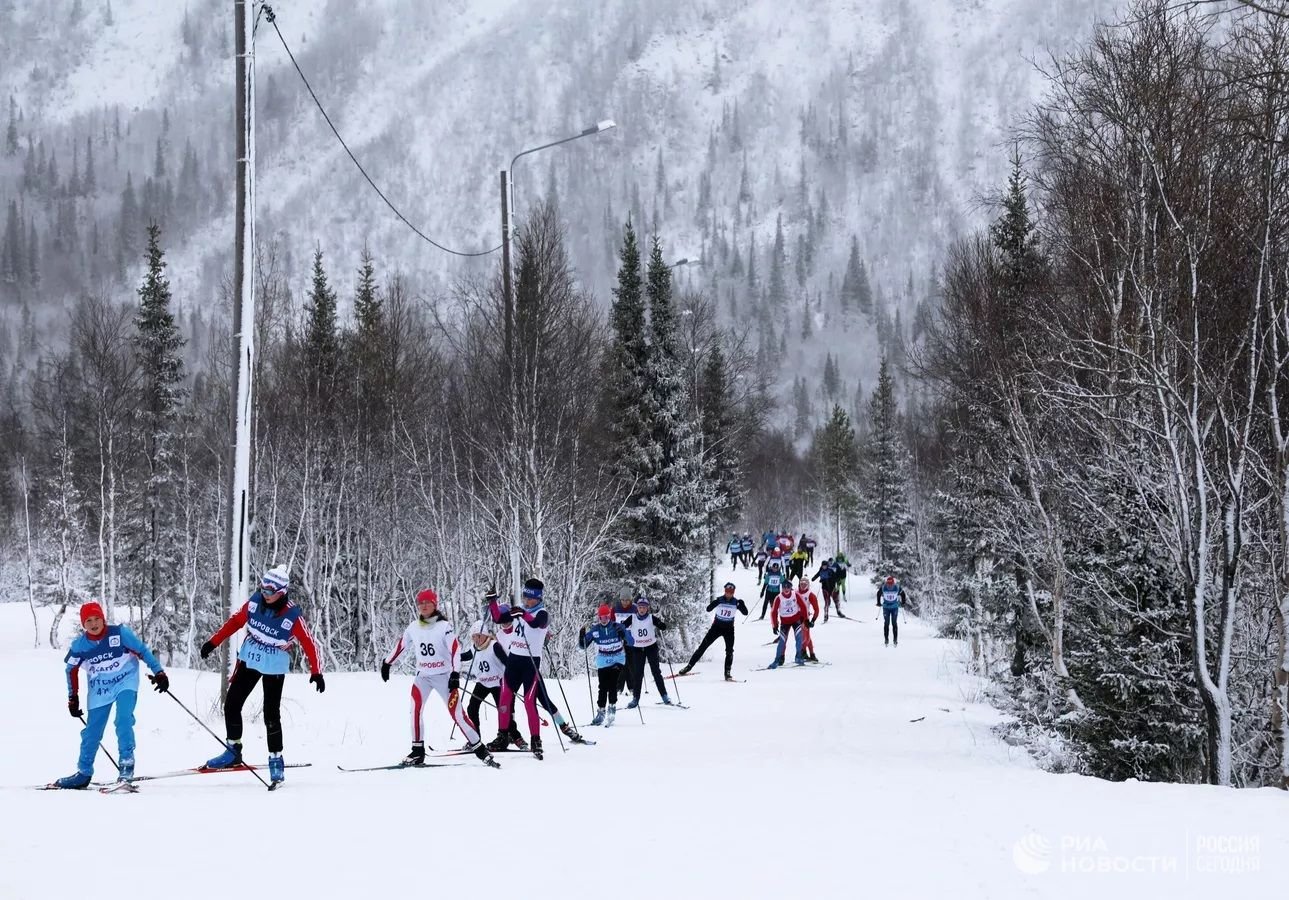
(272, 19)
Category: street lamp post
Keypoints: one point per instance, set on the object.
(508, 302)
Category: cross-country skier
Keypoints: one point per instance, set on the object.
(735, 547)
(771, 586)
(110, 656)
(840, 566)
(890, 597)
(827, 578)
(797, 563)
(761, 557)
(726, 606)
(610, 640)
(487, 656)
(523, 664)
(623, 611)
(438, 670)
(807, 543)
(810, 603)
(272, 623)
(787, 614)
(786, 542)
(745, 550)
(643, 629)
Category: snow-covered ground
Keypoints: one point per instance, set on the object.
(875, 776)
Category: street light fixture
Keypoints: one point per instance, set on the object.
(508, 213)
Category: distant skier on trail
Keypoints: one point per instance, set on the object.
(797, 563)
(788, 614)
(726, 606)
(771, 584)
(827, 578)
(272, 623)
(810, 603)
(807, 543)
(110, 656)
(643, 629)
(610, 640)
(890, 597)
(840, 567)
(735, 548)
(438, 670)
(761, 557)
(745, 550)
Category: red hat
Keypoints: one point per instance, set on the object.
(91, 609)
(890, 579)
(604, 610)
(427, 596)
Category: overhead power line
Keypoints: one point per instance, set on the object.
(272, 19)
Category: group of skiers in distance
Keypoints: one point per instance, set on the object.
(503, 654)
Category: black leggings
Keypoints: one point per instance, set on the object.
(636, 657)
(608, 678)
(717, 630)
(239, 688)
(481, 693)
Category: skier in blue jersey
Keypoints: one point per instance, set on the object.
(110, 656)
(610, 639)
(272, 624)
(890, 597)
(725, 606)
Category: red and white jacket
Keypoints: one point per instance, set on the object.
(791, 607)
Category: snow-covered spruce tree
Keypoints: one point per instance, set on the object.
(161, 371)
(834, 463)
(885, 492)
(721, 450)
(671, 516)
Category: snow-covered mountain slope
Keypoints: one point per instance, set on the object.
(877, 775)
(892, 113)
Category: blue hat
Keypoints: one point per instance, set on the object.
(533, 588)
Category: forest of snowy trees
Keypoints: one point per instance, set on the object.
(1073, 454)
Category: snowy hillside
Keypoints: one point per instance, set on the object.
(877, 775)
(883, 121)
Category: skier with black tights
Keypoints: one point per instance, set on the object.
(272, 624)
(774, 583)
(726, 606)
(643, 629)
(610, 640)
(890, 597)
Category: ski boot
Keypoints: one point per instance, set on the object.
(775, 664)
(810, 657)
(799, 661)
(77, 782)
(729, 677)
(635, 701)
(127, 770)
(666, 701)
(229, 759)
(599, 717)
(480, 749)
(570, 732)
(684, 670)
(517, 739)
(500, 742)
(277, 769)
(416, 757)
(609, 716)
(840, 614)
(536, 745)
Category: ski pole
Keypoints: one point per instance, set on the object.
(220, 740)
(100, 743)
(469, 672)
(559, 734)
(586, 658)
(674, 687)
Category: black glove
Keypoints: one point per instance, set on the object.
(811, 623)
(384, 671)
(160, 681)
(317, 680)
(207, 649)
(74, 706)
(454, 681)
(581, 635)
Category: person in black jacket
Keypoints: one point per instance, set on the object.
(722, 627)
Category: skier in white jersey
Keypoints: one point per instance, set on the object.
(642, 637)
(438, 664)
(524, 659)
(488, 661)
